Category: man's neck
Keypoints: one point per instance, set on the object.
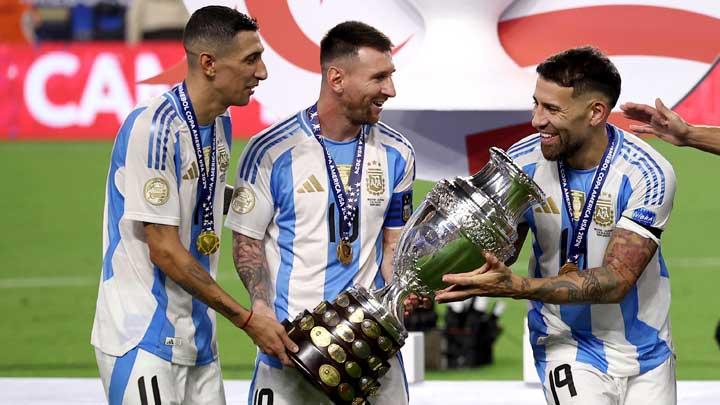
(205, 103)
(590, 154)
(334, 125)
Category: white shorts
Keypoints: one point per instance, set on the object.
(277, 385)
(580, 383)
(142, 378)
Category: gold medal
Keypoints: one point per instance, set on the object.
(568, 267)
(344, 252)
(208, 242)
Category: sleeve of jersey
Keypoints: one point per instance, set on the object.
(251, 209)
(149, 176)
(651, 200)
(401, 200)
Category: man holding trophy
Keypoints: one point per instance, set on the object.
(319, 204)
(598, 284)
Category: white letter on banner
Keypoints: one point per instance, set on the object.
(36, 100)
(148, 65)
(106, 91)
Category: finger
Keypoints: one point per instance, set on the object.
(491, 260)
(448, 278)
(639, 112)
(285, 359)
(458, 280)
(643, 129)
(661, 106)
(289, 344)
(447, 289)
(484, 268)
(453, 296)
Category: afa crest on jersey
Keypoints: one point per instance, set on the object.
(375, 179)
(604, 214)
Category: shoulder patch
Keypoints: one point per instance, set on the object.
(157, 191)
(243, 200)
(643, 216)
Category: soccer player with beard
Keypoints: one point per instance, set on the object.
(598, 284)
(320, 201)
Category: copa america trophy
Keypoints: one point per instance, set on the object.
(345, 344)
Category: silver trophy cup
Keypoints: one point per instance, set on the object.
(345, 344)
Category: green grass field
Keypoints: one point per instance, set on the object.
(50, 255)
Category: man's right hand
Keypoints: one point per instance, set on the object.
(269, 335)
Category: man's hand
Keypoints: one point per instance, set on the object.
(269, 335)
(414, 301)
(493, 279)
(659, 121)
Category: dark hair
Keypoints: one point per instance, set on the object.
(584, 69)
(346, 38)
(215, 27)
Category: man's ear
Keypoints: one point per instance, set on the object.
(599, 112)
(206, 61)
(335, 77)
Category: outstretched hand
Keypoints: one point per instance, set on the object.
(269, 335)
(659, 121)
(493, 279)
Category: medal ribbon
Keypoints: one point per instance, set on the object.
(579, 245)
(348, 203)
(207, 177)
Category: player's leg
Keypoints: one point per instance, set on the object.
(137, 378)
(204, 385)
(393, 385)
(657, 386)
(579, 384)
(273, 384)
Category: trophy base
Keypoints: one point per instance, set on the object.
(344, 345)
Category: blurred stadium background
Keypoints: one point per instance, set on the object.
(70, 71)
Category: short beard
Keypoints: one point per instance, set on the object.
(365, 118)
(563, 152)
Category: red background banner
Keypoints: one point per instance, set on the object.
(84, 90)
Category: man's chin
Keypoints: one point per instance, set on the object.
(241, 102)
(550, 153)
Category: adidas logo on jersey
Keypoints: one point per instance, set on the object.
(548, 207)
(192, 173)
(311, 185)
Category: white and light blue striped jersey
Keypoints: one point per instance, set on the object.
(622, 339)
(282, 197)
(153, 178)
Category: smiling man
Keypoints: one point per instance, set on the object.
(154, 330)
(320, 201)
(599, 288)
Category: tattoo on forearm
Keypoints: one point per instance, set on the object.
(251, 266)
(194, 285)
(626, 256)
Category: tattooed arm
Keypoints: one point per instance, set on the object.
(626, 256)
(168, 253)
(251, 266)
(391, 237)
(173, 259)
